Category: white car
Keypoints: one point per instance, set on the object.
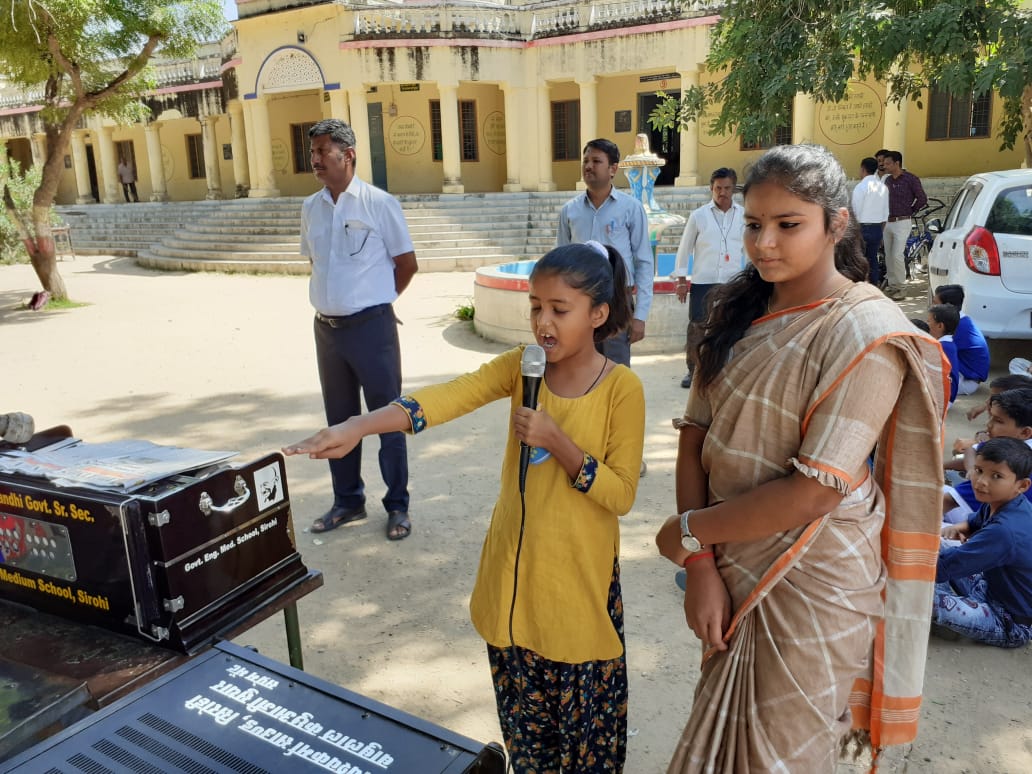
(985, 245)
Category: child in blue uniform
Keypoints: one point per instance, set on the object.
(972, 348)
(984, 585)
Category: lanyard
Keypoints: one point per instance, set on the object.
(724, 233)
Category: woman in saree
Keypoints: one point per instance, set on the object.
(808, 471)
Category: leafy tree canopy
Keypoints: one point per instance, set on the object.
(764, 52)
(88, 56)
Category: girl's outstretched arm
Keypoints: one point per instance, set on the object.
(338, 440)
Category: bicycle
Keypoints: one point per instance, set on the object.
(919, 243)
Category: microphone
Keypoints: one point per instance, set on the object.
(17, 428)
(533, 369)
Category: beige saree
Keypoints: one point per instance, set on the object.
(834, 614)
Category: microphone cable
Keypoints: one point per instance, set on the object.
(518, 715)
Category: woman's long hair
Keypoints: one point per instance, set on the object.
(811, 173)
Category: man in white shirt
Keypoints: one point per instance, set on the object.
(871, 210)
(711, 250)
(362, 258)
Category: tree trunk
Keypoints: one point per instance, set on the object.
(1026, 113)
(44, 255)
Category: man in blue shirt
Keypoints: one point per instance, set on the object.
(984, 584)
(612, 217)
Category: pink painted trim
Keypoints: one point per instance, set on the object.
(19, 110)
(188, 87)
(559, 40)
(235, 62)
(501, 283)
(431, 43)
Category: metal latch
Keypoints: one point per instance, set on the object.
(159, 519)
(174, 605)
(208, 507)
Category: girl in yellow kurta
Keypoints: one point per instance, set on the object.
(547, 594)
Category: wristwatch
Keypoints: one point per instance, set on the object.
(689, 542)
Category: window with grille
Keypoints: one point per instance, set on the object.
(566, 131)
(467, 130)
(124, 150)
(302, 147)
(952, 117)
(195, 155)
(782, 136)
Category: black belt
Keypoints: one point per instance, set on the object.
(350, 320)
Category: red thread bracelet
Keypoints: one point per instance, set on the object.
(695, 556)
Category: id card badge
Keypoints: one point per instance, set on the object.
(538, 455)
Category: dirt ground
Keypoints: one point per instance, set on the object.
(226, 362)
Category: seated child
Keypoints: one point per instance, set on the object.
(972, 349)
(942, 322)
(1000, 384)
(983, 586)
(1010, 416)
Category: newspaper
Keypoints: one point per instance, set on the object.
(119, 466)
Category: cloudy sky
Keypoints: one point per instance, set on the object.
(229, 6)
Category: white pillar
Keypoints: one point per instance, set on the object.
(212, 158)
(263, 184)
(156, 163)
(689, 173)
(512, 138)
(339, 105)
(544, 126)
(360, 123)
(804, 114)
(588, 116)
(238, 139)
(451, 145)
(112, 186)
(82, 168)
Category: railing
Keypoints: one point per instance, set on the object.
(188, 71)
(536, 20)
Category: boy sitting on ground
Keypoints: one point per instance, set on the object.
(996, 386)
(984, 585)
(1010, 416)
(942, 323)
(972, 348)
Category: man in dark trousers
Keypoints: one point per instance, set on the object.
(362, 258)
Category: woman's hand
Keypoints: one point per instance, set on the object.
(707, 603)
(668, 541)
(329, 443)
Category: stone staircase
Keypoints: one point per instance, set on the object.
(450, 232)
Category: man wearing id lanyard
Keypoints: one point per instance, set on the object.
(614, 218)
(358, 243)
(711, 250)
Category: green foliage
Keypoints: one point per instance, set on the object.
(764, 52)
(22, 185)
(96, 51)
(465, 311)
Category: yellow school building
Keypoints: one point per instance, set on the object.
(462, 97)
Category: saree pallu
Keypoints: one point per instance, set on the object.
(829, 622)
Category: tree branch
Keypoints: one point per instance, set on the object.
(135, 66)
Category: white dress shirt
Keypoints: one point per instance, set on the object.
(712, 249)
(871, 200)
(351, 245)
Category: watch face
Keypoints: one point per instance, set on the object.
(690, 543)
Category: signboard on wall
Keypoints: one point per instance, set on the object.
(494, 132)
(854, 119)
(622, 121)
(406, 136)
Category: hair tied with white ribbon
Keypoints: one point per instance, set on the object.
(598, 247)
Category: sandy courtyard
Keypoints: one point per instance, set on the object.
(227, 362)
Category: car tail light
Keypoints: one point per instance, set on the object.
(980, 252)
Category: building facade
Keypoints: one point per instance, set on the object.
(463, 97)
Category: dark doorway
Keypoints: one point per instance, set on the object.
(664, 143)
(92, 164)
(377, 151)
